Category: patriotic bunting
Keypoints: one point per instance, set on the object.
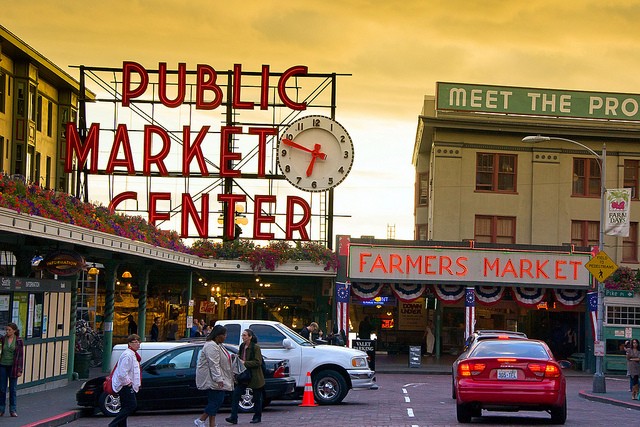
(528, 297)
(489, 295)
(408, 292)
(367, 290)
(568, 297)
(449, 294)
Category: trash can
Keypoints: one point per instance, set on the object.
(415, 356)
(82, 361)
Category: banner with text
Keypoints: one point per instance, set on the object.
(617, 211)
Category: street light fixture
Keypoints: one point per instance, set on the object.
(599, 384)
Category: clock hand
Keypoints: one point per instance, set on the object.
(317, 152)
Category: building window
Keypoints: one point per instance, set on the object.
(586, 178)
(49, 118)
(495, 229)
(32, 103)
(623, 315)
(423, 189)
(585, 233)
(3, 94)
(496, 172)
(39, 114)
(630, 244)
(421, 231)
(631, 177)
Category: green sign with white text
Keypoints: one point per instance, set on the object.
(537, 102)
(618, 293)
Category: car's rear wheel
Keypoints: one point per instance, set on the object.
(463, 413)
(559, 413)
(109, 405)
(329, 388)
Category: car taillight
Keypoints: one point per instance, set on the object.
(468, 369)
(507, 360)
(279, 372)
(546, 370)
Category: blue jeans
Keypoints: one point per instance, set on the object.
(5, 371)
(214, 401)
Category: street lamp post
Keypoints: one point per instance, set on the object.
(599, 384)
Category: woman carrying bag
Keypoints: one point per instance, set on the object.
(250, 353)
(213, 374)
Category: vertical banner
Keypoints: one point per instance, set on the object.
(617, 210)
(469, 312)
(343, 292)
(592, 299)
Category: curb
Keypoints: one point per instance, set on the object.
(57, 420)
(602, 398)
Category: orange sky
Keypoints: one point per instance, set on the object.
(395, 50)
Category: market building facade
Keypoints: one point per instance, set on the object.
(478, 182)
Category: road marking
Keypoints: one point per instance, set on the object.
(404, 390)
(410, 412)
(407, 399)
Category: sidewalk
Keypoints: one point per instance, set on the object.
(56, 407)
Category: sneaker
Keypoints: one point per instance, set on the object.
(198, 422)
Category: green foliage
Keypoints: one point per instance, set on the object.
(624, 279)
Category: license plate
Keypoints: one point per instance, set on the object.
(507, 374)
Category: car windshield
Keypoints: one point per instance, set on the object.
(294, 336)
(510, 348)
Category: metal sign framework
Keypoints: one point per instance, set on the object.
(317, 90)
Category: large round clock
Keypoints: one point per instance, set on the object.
(315, 153)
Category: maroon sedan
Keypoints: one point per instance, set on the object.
(510, 375)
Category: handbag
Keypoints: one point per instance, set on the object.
(244, 377)
(107, 386)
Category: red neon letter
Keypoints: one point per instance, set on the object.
(162, 85)
(74, 145)
(230, 219)
(127, 195)
(189, 212)
(259, 219)
(191, 151)
(154, 216)
(127, 94)
(122, 137)
(264, 88)
(237, 87)
(207, 81)
(262, 146)
(157, 158)
(282, 87)
(292, 201)
(226, 155)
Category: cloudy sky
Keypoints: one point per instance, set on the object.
(395, 50)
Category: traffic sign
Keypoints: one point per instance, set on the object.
(601, 266)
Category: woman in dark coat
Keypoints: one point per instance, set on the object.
(250, 353)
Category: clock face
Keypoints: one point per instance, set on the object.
(315, 153)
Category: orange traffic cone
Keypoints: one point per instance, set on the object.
(307, 397)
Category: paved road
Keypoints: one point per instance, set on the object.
(402, 400)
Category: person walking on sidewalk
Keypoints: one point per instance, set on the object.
(11, 365)
(633, 365)
(126, 381)
(251, 354)
(213, 374)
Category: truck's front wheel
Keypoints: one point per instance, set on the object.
(329, 388)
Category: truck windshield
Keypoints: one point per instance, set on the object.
(293, 336)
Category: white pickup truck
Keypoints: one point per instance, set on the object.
(334, 370)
